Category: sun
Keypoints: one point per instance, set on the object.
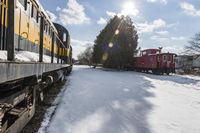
(129, 8)
(129, 5)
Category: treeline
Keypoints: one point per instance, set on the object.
(85, 58)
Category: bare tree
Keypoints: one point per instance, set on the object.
(85, 58)
(194, 46)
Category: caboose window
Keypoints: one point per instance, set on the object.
(169, 57)
(164, 57)
(144, 53)
(158, 58)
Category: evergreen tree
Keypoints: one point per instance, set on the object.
(116, 44)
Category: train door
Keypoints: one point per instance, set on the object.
(55, 50)
(34, 30)
(3, 23)
(45, 39)
(169, 60)
(49, 41)
(37, 32)
(22, 14)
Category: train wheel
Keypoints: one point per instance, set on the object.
(154, 71)
(14, 117)
(41, 97)
(167, 72)
(40, 94)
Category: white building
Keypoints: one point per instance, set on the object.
(187, 62)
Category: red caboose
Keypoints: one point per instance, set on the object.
(155, 61)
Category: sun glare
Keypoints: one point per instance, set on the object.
(128, 5)
(129, 8)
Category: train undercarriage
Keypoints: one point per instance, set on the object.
(18, 97)
(161, 71)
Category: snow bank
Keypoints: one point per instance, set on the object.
(102, 101)
(3, 55)
(26, 56)
(50, 111)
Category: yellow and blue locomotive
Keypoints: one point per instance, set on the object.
(34, 54)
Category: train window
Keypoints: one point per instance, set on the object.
(169, 57)
(158, 58)
(144, 53)
(164, 57)
(64, 37)
(49, 31)
(23, 3)
(34, 12)
(47, 27)
(38, 16)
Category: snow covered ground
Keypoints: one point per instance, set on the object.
(26, 56)
(106, 101)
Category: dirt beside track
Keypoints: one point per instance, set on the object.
(49, 97)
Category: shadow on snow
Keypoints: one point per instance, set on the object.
(104, 102)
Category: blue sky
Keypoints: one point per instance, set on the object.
(166, 23)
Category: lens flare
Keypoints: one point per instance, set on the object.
(117, 32)
(105, 56)
(110, 45)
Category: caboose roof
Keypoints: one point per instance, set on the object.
(151, 49)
